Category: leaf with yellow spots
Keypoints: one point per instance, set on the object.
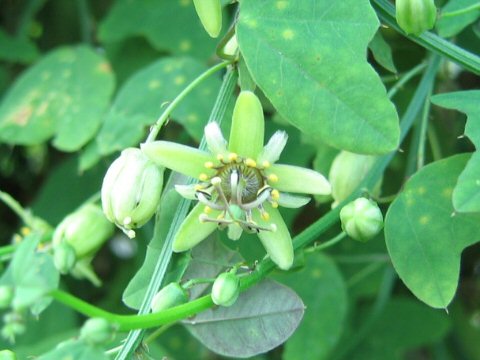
(63, 96)
(309, 58)
(466, 195)
(143, 97)
(424, 236)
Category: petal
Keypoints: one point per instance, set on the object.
(215, 141)
(248, 126)
(271, 152)
(292, 201)
(278, 243)
(299, 180)
(187, 191)
(180, 158)
(192, 230)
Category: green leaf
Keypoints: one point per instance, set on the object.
(309, 59)
(425, 238)
(451, 25)
(322, 289)
(382, 52)
(466, 195)
(141, 100)
(63, 96)
(262, 318)
(75, 350)
(33, 275)
(17, 49)
(171, 26)
(403, 325)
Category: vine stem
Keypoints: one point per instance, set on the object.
(423, 131)
(163, 118)
(405, 78)
(18, 209)
(327, 244)
(461, 11)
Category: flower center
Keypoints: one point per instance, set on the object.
(240, 183)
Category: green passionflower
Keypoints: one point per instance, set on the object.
(240, 185)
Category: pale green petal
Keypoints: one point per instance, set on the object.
(192, 231)
(299, 180)
(248, 126)
(187, 191)
(272, 151)
(292, 201)
(215, 141)
(278, 243)
(180, 158)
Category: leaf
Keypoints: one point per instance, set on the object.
(17, 49)
(423, 239)
(466, 195)
(74, 350)
(418, 326)
(323, 290)
(451, 25)
(142, 99)
(33, 275)
(63, 96)
(262, 318)
(171, 26)
(308, 57)
(382, 52)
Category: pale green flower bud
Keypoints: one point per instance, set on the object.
(7, 355)
(85, 231)
(171, 295)
(225, 289)
(6, 296)
(131, 190)
(361, 219)
(96, 331)
(415, 16)
(64, 257)
(210, 14)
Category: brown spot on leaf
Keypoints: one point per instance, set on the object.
(22, 116)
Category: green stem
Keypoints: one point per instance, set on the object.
(460, 11)
(192, 282)
(327, 244)
(405, 78)
(434, 143)
(15, 206)
(7, 250)
(423, 131)
(364, 273)
(157, 333)
(386, 12)
(357, 259)
(385, 199)
(164, 117)
(85, 21)
(27, 16)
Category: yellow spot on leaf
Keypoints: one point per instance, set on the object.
(185, 45)
(288, 34)
(184, 3)
(22, 115)
(424, 220)
(251, 23)
(421, 190)
(46, 75)
(447, 192)
(179, 80)
(104, 67)
(281, 4)
(66, 73)
(168, 68)
(42, 108)
(154, 84)
(317, 273)
(192, 118)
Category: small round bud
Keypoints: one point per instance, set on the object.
(171, 295)
(96, 331)
(131, 190)
(85, 230)
(361, 219)
(225, 289)
(415, 16)
(347, 172)
(7, 355)
(6, 296)
(64, 257)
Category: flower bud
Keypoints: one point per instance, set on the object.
(13, 325)
(415, 16)
(210, 14)
(7, 355)
(96, 331)
(347, 172)
(85, 231)
(171, 295)
(361, 219)
(131, 190)
(64, 257)
(225, 289)
(6, 296)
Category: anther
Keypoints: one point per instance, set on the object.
(25, 230)
(274, 204)
(130, 233)
(198, 187)
(216, 180)
(265, 215)
(203, 177)
(266, 164)
(232, 157)
(209, 165)
(273, 178)
(251, 163)
(275, 194)
(127, 220)
(207, 209)
(220, 157)
(273, 227)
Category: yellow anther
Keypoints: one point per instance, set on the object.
(209, 165)
(220, 157)
(25, 231)
(265, 216)
(273, 178)
(275, 194)
(198, 187)
(232, 157)
(266, 164)
(274, 204)
(207, 210)
(203, 177)
(251, 163)
(220, 216)
(41, 246)
(17, 238)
